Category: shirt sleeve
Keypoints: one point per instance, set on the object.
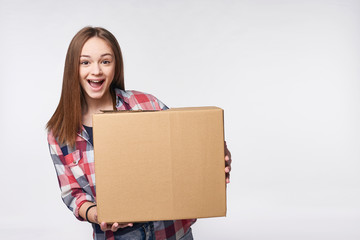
(68, 174)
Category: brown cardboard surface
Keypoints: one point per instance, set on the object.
(161, 165)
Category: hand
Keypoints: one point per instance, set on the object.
(105, 226)
(114, 227)
(227, 163)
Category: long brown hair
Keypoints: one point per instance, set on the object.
(67, 119)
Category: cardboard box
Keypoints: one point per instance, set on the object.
(159, 165)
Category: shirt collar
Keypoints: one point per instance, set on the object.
(82, 133)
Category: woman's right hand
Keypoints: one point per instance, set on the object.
(114, 227)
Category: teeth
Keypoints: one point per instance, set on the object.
(95, 81)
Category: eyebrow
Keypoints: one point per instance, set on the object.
(103, 55)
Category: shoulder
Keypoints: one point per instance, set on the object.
(50, 137)
(139, 100)
(133, 94)
(54, 147)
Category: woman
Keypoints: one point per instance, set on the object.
(94, 80)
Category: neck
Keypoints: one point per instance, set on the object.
(95, 106)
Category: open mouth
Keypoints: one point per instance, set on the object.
(96, 83)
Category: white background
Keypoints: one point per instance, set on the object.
(285, 72)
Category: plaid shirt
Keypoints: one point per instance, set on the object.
(76, 174)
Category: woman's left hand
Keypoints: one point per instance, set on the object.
(227, 163)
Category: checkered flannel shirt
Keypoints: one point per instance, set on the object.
(76, 175)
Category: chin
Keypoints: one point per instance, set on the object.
(95, 96)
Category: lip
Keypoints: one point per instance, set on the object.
(96, 84)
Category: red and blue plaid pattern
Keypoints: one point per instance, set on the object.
(76, 174)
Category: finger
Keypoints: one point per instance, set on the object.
(227, 179)
(228, 155)
(228, 169)
(227, 163)
(124, 225)
(104, 226)
(115, 227)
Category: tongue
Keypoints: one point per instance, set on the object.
(96, 84)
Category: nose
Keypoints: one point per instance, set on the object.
(96, 70)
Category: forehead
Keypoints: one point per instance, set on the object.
(96, 46)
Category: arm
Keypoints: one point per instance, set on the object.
(74, 197)
(72, 193)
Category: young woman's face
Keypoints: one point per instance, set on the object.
(97, 68)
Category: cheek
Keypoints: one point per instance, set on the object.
(82, 73)
(111, 73)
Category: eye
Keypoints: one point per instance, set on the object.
(105, 62)
(84, 62)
